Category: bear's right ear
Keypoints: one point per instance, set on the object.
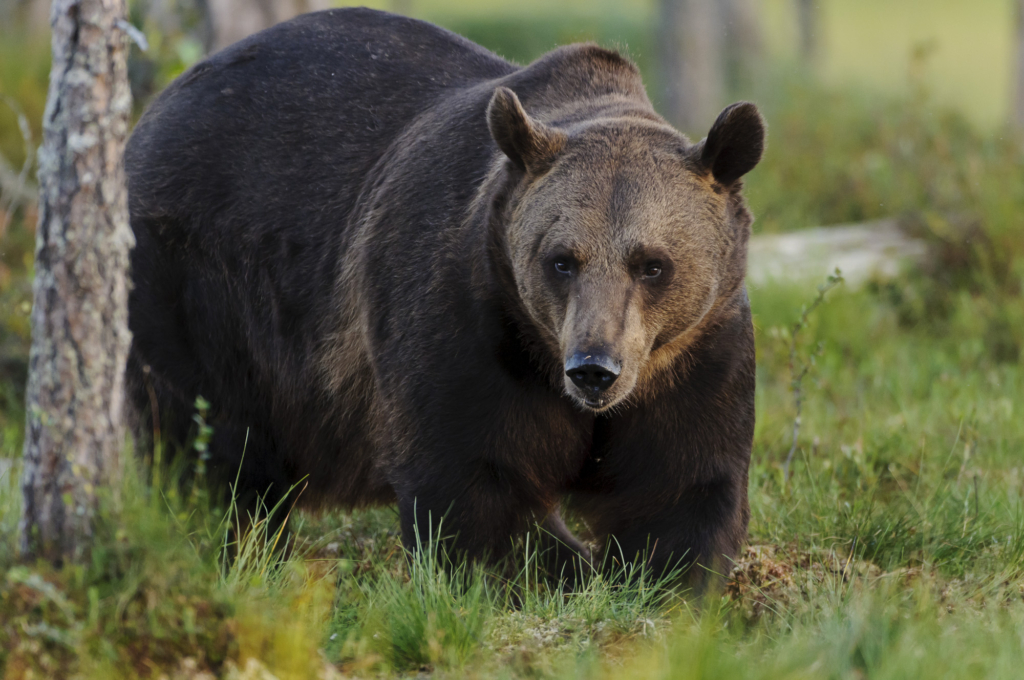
(528, 143)
(735, 143)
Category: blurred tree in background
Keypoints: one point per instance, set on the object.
(1018, 94)
(807, 20)
(33, 15)
(706, 49)
(692, 40)
(232, 20)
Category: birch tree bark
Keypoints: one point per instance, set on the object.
(692, 62)
(80, 334)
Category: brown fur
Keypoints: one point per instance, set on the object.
(351, 258)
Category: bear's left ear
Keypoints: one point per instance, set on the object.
(528, 143)
(735, 143)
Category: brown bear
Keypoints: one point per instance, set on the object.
(402, 269)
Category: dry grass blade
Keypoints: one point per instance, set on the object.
(15, 188)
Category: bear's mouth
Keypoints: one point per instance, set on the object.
(593, 401)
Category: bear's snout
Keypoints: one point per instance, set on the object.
(592, 373)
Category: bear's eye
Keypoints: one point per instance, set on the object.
(563, 266)
(652, 270)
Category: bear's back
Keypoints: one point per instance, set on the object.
(295, 114)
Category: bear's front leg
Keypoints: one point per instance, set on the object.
(667, 479)
(471, 510)
(698, 534)
(478, 470)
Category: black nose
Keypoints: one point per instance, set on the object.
(592, 373)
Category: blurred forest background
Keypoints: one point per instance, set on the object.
(897, 547)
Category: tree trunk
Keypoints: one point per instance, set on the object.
(1018, 71)
(27, 15)
(232, 20)
(743, 42)
(807, 12)
(691, 35)
(80, 336)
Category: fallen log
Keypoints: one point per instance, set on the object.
(861, 251)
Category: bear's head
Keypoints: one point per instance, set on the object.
(622, 238)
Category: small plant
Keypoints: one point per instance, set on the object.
(798, 367)
(201, 445)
